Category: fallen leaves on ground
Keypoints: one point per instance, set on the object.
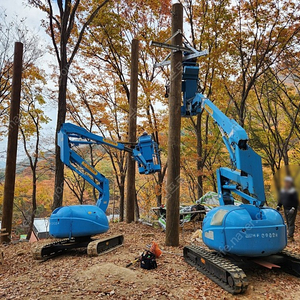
(77, 276)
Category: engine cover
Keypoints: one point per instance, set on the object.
(77, 221)
(244, 230)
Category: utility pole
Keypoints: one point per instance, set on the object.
(12, 145)
(173, 176)
(130, 188)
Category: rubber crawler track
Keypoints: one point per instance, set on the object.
(103, 246)
(291, 255)
(224, 273)
(37, 251)
(292, 263)
(94, 247)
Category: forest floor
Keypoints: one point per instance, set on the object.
(77, 276)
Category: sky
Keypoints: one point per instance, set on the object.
(33, 16)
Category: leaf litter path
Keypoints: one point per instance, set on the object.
(77, 276)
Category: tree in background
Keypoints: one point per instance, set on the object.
(207, 20)
(31, 114)
(105, 96)
(100, 109)
(261, 35)
(66, 31)
(272, 122)
(31, 119)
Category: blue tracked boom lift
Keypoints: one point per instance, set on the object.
(266, 231)
(248, 232)
(235, 234)
(76, 224)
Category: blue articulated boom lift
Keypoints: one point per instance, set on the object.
(75, 225)
(250, 232)
(234, 234)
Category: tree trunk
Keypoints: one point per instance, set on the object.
(285, 154)
(34, 181)
(199, 156)
(160, 182)
(136, 209)
(122, 199)
(61, 116)
(159, 196)
(131, 202)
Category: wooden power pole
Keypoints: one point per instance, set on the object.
(130, 188)
(12, 145)
(173, 176)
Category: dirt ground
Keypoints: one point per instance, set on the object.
(77, 276)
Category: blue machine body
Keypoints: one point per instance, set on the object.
(249, 229)
(78, 221)
(244, 230)
(88, 220)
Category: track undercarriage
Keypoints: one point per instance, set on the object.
(226, 271)
(94, 247)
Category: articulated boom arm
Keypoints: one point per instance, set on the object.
(145, 152)
(246, 176)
